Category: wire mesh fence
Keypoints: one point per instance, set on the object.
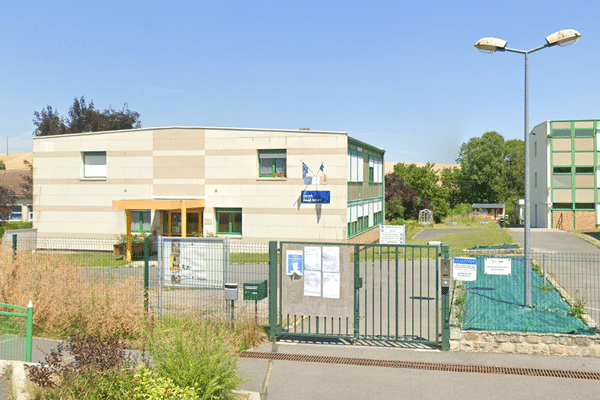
(565, 294)
(89, 282)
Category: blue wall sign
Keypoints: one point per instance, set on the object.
(315, 196)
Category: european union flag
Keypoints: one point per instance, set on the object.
(304, 170)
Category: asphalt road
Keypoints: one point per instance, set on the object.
(552, 241)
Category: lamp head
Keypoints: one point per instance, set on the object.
(563, 38)
(490, 45)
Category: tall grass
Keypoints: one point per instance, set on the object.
(200, 354)
(66, 300)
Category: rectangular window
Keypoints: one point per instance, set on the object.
(141, 221)
(584, 133)
(561, 133)
(30, 212)
(94, 164)
(535, 180)
(272, 163)
(562, 170)
(563, 206)
(16, 213)
(229, 221)
(584, 170)
(584, 206)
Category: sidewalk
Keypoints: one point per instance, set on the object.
(291, 380)
(333, 373)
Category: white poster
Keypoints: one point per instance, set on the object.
(392, 234)
(498, 266)
(312, 258)
(312, 283)
(331, 259)
(464, 269)
(331, 285)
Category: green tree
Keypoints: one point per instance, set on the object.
(492, 171)
(514, 167)
(402, 200)
(84, 117)
(482, 169)
(2, 166)
(426, 183)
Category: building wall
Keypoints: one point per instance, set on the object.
(68, 205)
(539, 176)
(272, 207)
(219, 165)
(573, 172)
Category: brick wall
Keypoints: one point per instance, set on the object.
(585, 220)
(566, 222)
(371, 236)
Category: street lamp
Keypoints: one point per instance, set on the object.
(490, 45)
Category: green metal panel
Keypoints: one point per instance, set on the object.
(16, 329)
(395, 296)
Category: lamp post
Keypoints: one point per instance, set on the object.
(490, 45)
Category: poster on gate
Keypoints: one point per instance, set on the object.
(464, 269)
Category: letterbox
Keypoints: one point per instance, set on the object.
(231, 291)
(255, 290)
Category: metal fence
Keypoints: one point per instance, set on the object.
(146, 284)
(565, 293)
(16, 332)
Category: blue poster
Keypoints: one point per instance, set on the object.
(294, 262)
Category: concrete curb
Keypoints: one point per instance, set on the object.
(251, 395)
(19, 380)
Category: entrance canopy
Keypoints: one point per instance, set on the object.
(152, 204)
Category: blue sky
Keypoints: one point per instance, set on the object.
(403, 76)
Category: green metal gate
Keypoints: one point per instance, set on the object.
(357, 292)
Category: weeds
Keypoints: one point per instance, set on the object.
(578, 308)
(197, 354)
(460, 303)
(545, 288)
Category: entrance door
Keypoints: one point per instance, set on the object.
(172, 223)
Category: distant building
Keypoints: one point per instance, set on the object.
(565, 176)
(491, 210)
(15, 181)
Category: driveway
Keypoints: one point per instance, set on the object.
(553, 240)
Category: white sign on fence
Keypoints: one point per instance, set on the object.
(464, 269)
(392, 234)
(498, 266)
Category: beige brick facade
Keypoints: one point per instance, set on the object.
(217, 165)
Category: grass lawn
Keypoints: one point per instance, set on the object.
(94, 259)
(482, 235)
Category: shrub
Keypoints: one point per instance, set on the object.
(96, 369)
(195, 354)
(147, 385)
